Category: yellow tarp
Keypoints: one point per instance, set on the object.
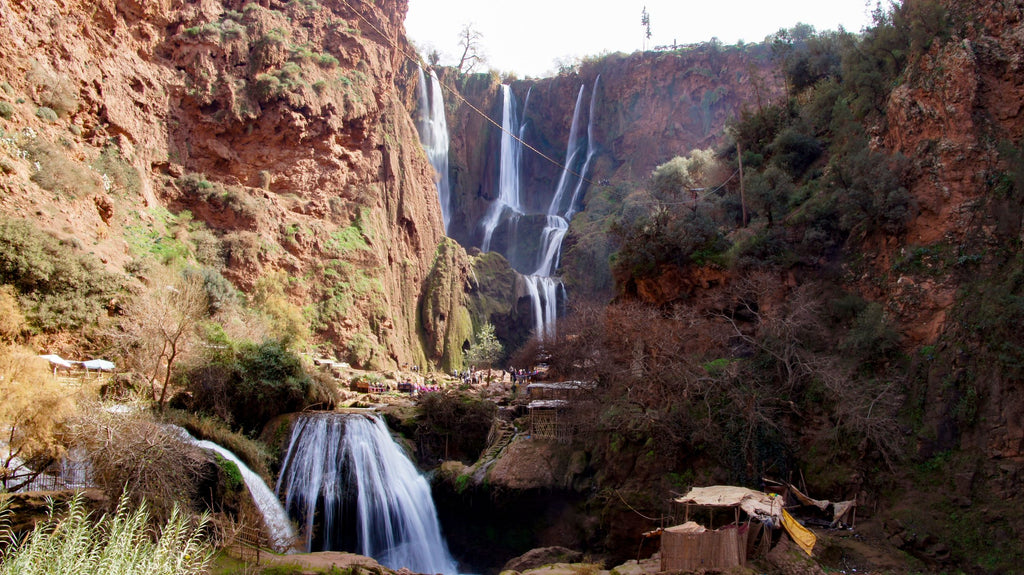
(802, 535)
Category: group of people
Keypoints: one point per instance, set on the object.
(409, 384)
(469, 376)
(521, 376)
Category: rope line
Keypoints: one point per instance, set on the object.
(416, 60)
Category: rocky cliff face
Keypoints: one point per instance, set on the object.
(959, 116)
(277, 125)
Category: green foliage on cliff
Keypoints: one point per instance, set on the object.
(249, 384)
(60, 286)
(443, 311)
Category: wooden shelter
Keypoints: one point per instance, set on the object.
(548, 420)
(690, 547)
(562, 390)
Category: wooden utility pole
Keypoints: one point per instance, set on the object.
(743, 194)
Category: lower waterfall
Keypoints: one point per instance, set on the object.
(352, 488)
(279, 527)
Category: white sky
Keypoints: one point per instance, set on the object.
(528, 36)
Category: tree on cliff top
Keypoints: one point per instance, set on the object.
(472, 50)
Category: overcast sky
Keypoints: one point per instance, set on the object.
(528, 36)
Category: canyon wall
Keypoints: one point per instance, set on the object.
(280, 127)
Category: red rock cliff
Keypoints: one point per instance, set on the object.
(277, 124)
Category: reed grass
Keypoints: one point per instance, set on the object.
(71, 543)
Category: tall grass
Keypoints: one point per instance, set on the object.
(73, 544)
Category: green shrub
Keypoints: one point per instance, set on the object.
(453, 426)
(250, 451)
(795, 151)
(266, 87)
(232, 198)
(46, 114)
(6, 110)
(300, 53)
(219, 291)
(209, 31)
(207, 247)
(326, 60)
(61, 287)
(242, 249)
(73, 543)
(54, 91)
(254, 384)
(872, 339)
(267, 50)
(230, 28)
(277, 83)
(121, 174)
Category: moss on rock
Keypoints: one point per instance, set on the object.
(446, 321)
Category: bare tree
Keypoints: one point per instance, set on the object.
(130, 452)
(787, 325)
(645, 21)
(161, 328)
(472, 49)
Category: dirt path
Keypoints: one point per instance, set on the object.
(323, 560)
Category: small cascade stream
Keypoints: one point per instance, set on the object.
(352, 488)
(433, 129)
(282, 534)
(543, 288)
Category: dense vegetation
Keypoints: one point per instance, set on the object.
(778, 365)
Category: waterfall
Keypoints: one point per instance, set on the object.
(433, 128)
(282, 534)
(353, 488)
(539, 282)
(574, 201)
(542, 286)
(571, 151)
(508, 201)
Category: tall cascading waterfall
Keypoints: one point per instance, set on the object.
(282, 534)
(508, 206)
(352, 488)
(542, 287)
(433, 128)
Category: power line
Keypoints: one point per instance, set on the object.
(461, 99)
